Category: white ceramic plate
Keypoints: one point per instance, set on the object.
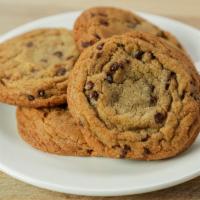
(95, 176)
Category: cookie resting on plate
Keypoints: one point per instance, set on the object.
(34, 67)
(103, 22)
(135, 96)
(52, 130)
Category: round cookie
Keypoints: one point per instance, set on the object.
(34, 67)
(52, 130)
(103, 22)
(135, 96)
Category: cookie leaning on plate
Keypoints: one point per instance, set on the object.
(52, 130)
(135, 96)
(103, 22)
(34, 67)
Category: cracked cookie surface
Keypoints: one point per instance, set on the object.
(103, 22)
(34, 67)
(135, 96)
(52, 130)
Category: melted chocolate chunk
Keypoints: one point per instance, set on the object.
(115, 66)
(69, 57)
(159, 118)
(45, 114)
(145, 138)
(146, 151)
(100, 46)
(125, 150)
(172, 75)
(153, 100)
(103, 22)
(87, 44)
(109, 78)
(2, 82)
(59, 54)
(61, 71)
(183, 95)
(99, 54)
(152, 87)
(120, 45)
(97, 36)
(41, 93)
(89, 151)
(30, 97)
(138, 54)
(167, 86)
(161, 34)
(89, 85)
(94, 95)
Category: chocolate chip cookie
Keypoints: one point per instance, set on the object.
(135, 96)
(103, 22)
(52, 130)
(34, 67)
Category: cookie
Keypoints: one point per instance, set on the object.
(103, 22)
(52, 130)
(136, 97)
(34, 67)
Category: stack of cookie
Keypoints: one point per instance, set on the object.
(117, 87)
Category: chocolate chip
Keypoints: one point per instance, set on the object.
(97, 36)
(131, 25)
(195, 96)
(109, 78)
(2, 82)
(115, 66)
(94, 95)
(61, 71)
(125, 150)
(153, 101)
(89, 151)
(116, 146)
(152, 87)
(99, 54)
(161, 34)
(183, 95)
(63, 106)
(172, 75)
(146, 151)
(89, 85)
(59, 54)
(100, 46)
(30, 97)
(159, 117)
(137, 54)
(29, 44)
(45, 114)
(127, 61)
(93, 14)
(69, 57)
(41, 93)
(152, 56)
(120, 45)
(145, 138)
(167, 86)
(103, 22)
(87, 43)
